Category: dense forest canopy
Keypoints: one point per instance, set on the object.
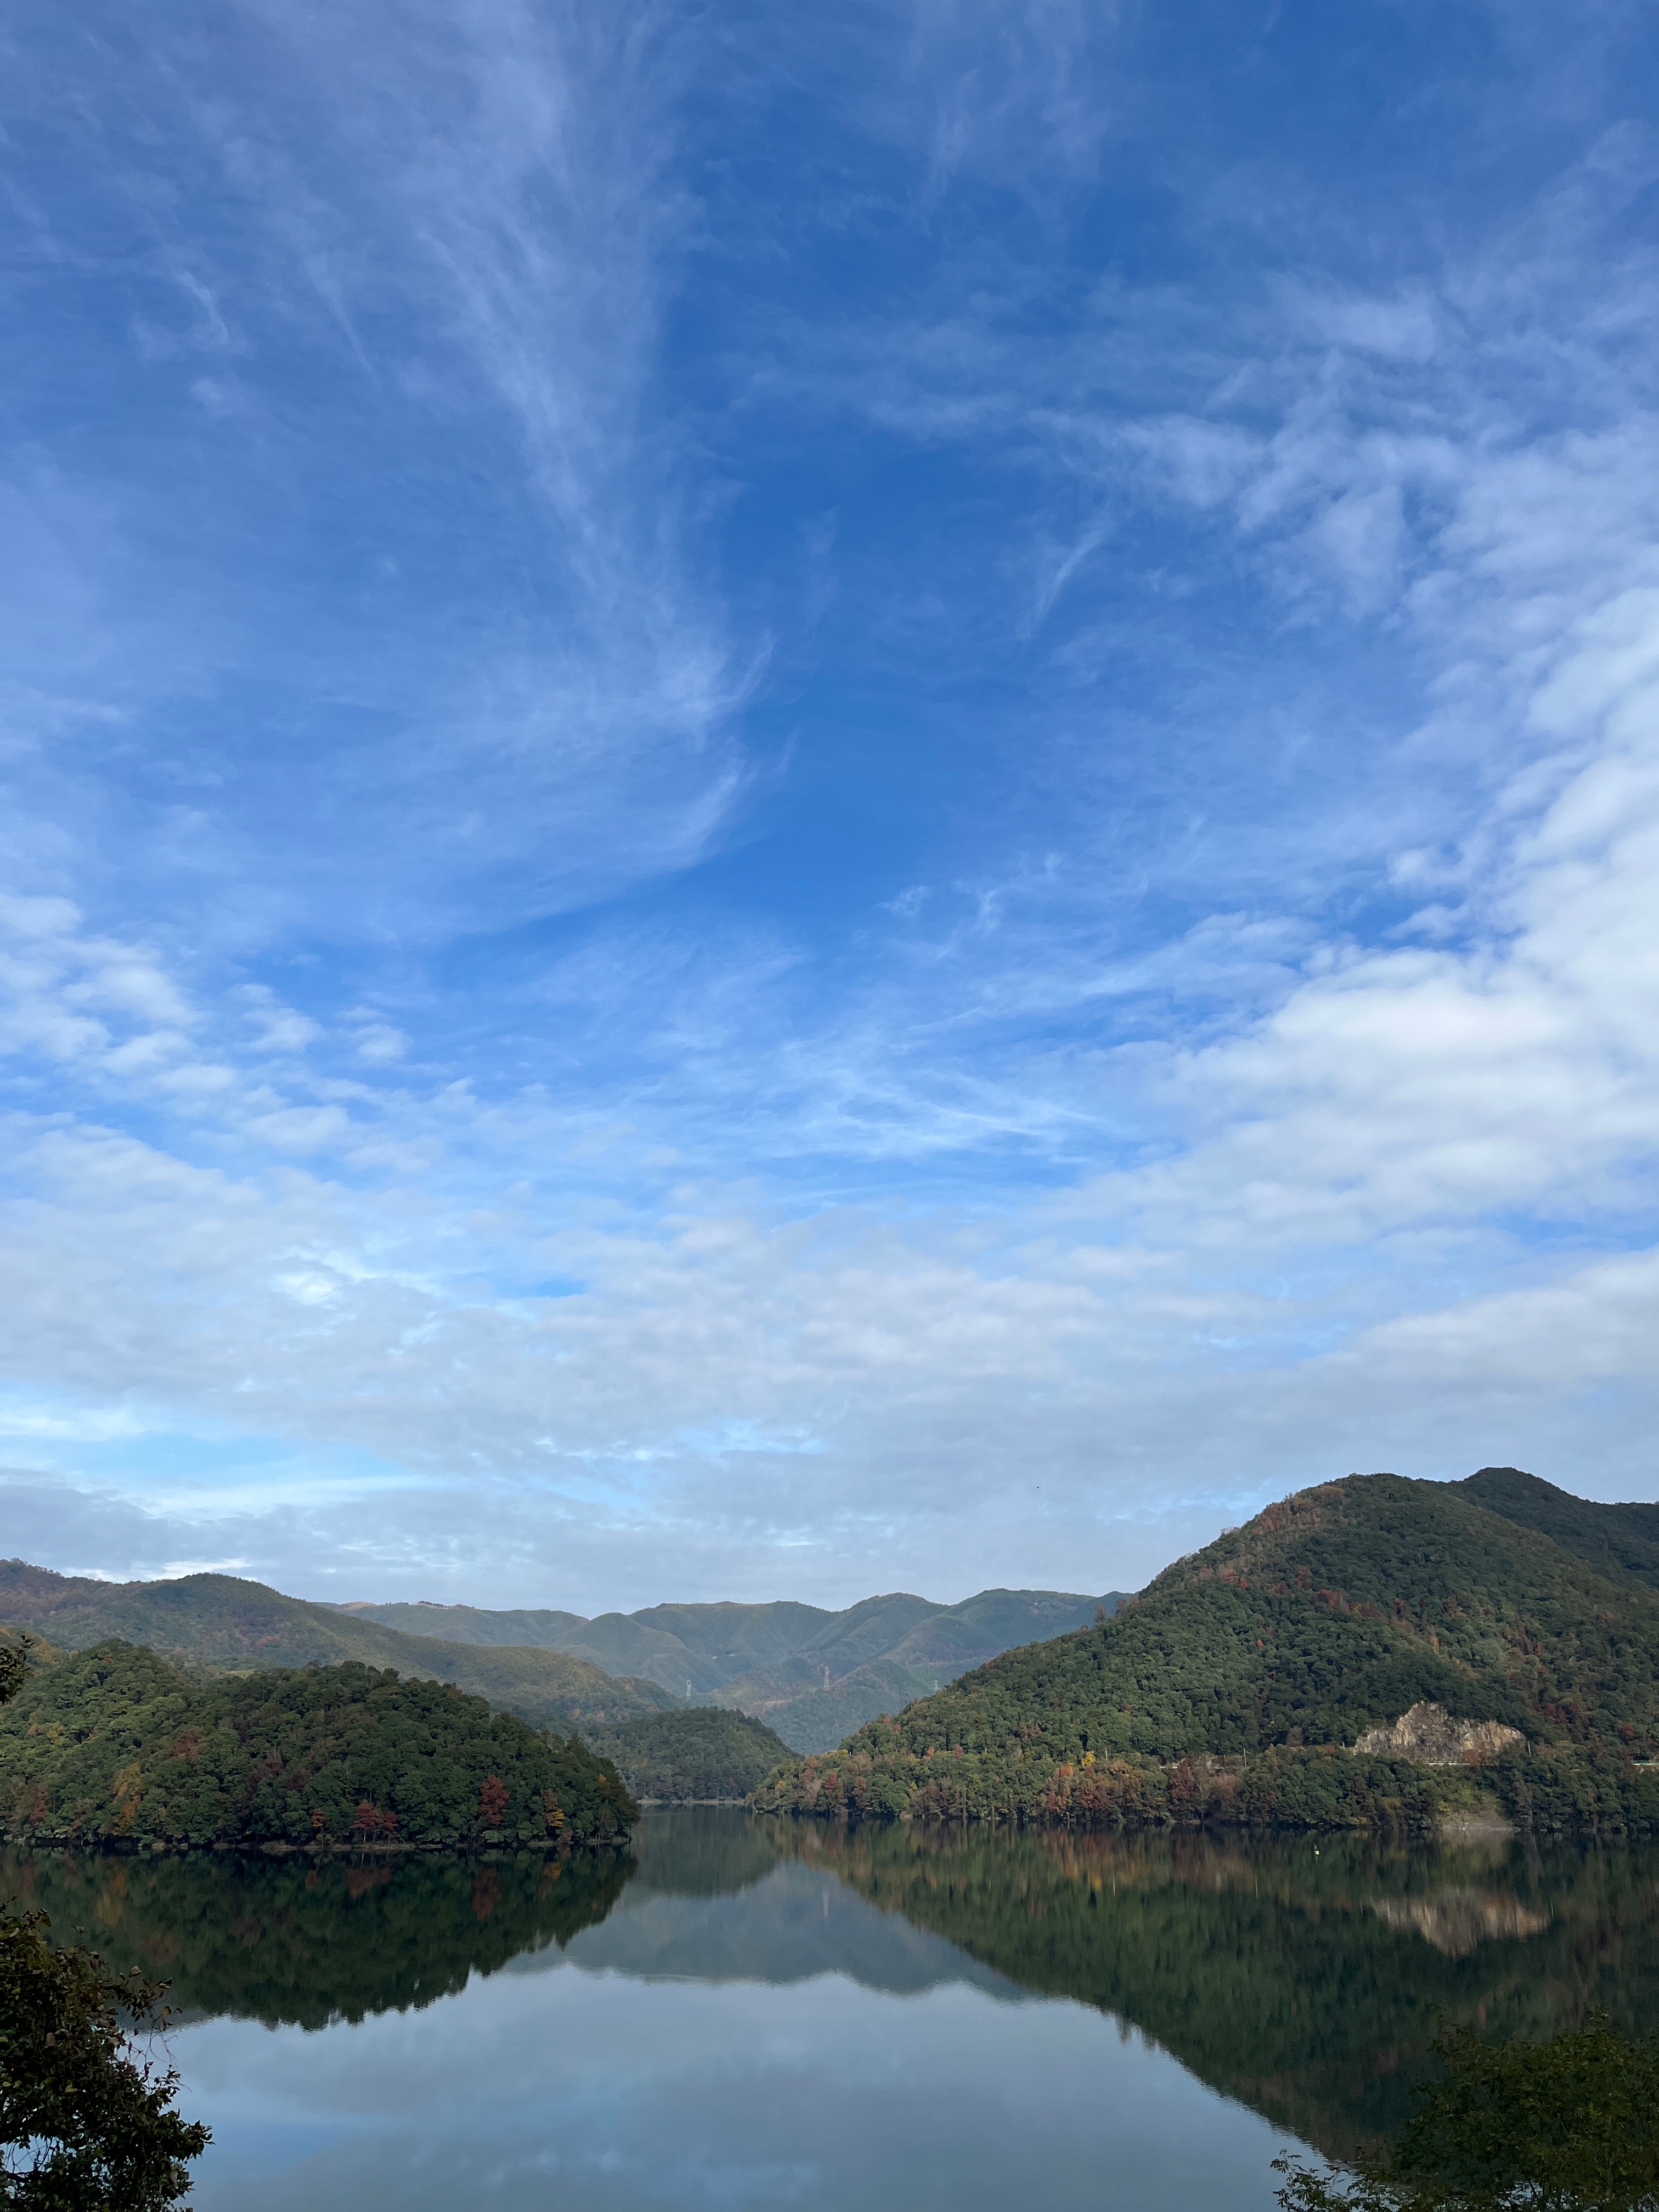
(116, 1744)
(1612, 1539)
(1330, 1614)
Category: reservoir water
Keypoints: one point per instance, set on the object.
(744, 2013)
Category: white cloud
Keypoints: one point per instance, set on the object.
(1158, 1159)
(379, 1042)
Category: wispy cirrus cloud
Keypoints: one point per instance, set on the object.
(1172, 1016)
(449, 230)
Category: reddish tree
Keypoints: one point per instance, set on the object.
(492, 1801)
(366, 1821)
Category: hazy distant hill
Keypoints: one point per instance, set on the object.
(698, 1755)
(812, 1675)
(1608, 1538)
(1332, 1612)
(222, 1623)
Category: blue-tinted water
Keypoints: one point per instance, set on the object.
(748, 2013)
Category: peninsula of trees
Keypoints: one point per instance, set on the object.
(1239, 1685)
(115, 1745)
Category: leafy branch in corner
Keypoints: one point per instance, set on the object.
(1571, 2125)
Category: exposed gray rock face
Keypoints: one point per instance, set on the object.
(1429, 1734)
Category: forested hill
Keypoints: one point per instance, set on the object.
(223, 1623)
(812, 1675)
(1331, 1613)
(701, 1755)
(114, 1744)
(1612, 1539)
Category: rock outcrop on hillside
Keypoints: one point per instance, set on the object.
(1429, 1734)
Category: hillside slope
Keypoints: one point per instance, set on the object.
(700, 1754)
(115, 1743)
(222, 1623)
(1612, 1539)
(1331, 1613)
(813, 1675)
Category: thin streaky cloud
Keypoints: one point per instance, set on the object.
(766, 778)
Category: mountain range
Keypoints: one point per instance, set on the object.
(813, 1675)
(219, 1624)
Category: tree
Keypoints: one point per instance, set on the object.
(492, 1801)
(1571, 2125)
(86, 2125)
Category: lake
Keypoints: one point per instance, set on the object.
(744, 2012)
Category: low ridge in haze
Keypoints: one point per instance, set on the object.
(223, 1624)
(811, 1674)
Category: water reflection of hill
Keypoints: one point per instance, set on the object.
(301, 1944)
(721, 1898)
(1307, 1981)
(707, 1850)
(799, 1922)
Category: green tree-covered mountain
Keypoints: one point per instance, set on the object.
(115, 1744)
(1331, 1613)
(223, 1623)
(812, 1675)
(1612, 1539)
(697, 1756)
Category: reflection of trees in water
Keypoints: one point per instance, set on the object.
(1307, 1979)
(708, 1851)
(292, 1942)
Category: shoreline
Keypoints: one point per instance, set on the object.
(499, 1847)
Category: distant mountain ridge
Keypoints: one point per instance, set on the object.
(811, 1674)
(224, 1624)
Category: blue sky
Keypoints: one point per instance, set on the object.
(799, 802)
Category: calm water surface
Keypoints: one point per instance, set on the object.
(758, 2012)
